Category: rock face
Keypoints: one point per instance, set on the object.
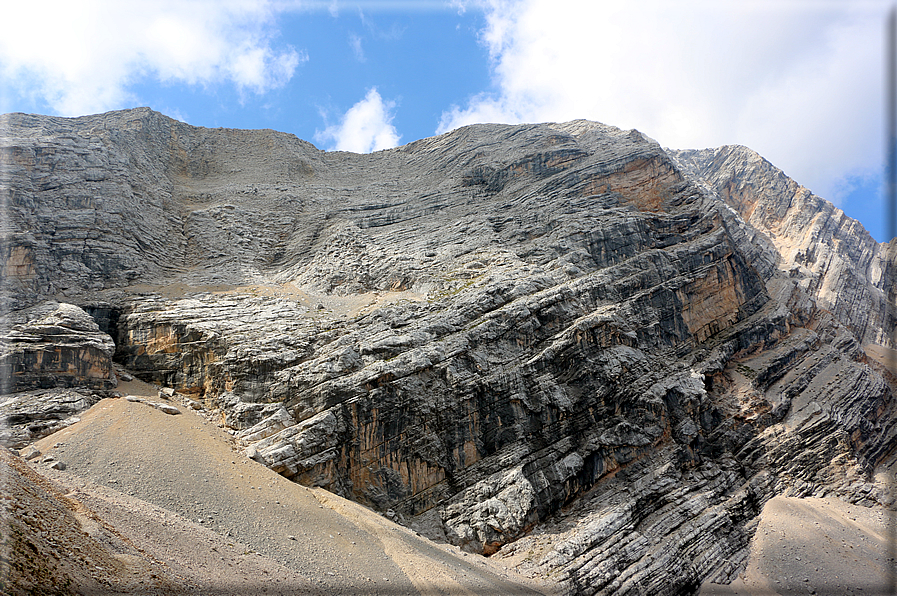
(839, 264)
(54, 345)
(30, 415)
(54, 363)
(485, 330)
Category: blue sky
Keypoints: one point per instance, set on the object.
(799, 81)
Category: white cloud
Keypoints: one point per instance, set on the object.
(81, 57)
(357, 49)
(365, 127)
(798, 81)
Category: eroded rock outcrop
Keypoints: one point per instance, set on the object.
(486, 330)
(27, 416)
(55, 362)
(54, 345)
(839, 264)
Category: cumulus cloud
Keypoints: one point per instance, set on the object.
(800, 82)
(365, 127)
(83, 57)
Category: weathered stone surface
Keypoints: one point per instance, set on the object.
(31, 415)
(835, 260)
(29, 453)
(54, 345)
(495, 329)
(167, 408)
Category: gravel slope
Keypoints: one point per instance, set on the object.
(821, 546)
(159, 504)
(177, 489)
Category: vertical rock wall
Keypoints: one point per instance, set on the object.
(54, 345)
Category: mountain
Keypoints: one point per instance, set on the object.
(479, 333)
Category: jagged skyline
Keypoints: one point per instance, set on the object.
(542, 343)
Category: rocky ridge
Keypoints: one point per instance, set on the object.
(839, 264)
(480, 332)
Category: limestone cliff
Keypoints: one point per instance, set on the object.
(839, 264)
(484, 330)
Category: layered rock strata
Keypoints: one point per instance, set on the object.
(839, 264)
(27, 416)
(54, 345)
(484, 330)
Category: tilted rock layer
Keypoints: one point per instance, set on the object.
(479, 331)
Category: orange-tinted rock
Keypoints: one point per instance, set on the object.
(485, 330)
(55, 345)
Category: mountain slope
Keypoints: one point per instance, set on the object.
(841, 266)
(193, 516)
(482, 330)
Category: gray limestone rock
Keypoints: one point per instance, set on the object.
(167, 408)
(494, 330)
(831, 255)
(54, 345)
(31, 415)
(30, 452)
